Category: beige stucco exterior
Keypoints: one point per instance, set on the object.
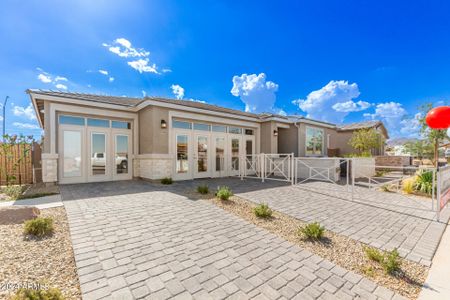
(152, 138)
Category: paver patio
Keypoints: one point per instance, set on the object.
(134, 239)
(382, 220)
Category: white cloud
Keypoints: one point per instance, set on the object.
(257, 93)
(141, 65)
(351, 106)
(60, 78)
(104, 72)
(411, 126)
(111, 79)
(389, 112)
(144, 93)
(122, 47)
(27, 112)
(25, 125)
(333, 102)
(166, 70)
(178, 91)
(45, 78)
(49, 78)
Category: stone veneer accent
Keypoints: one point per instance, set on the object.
(153, 166)
(49, 167)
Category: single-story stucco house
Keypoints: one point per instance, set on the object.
(99, 138)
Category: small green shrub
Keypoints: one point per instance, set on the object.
(224, 193)
(424, 182)
(385, 188)
(262, 211)
(39, 226)
(13, 191)
(391, 262)
(312, 231)
(374, 254)
(166, 180)
(203, 189)
(33, 294)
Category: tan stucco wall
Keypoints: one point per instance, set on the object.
(342, 143)
(288, 140)
(269, 142)
(153, 138)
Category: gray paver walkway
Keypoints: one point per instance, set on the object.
(382, 220)
(135, 239)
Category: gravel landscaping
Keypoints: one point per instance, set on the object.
(48, 261)
(339, 249)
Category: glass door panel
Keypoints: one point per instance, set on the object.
(121, 154)
(98, 154)
(182, 165)
(72, 149)
(234, 154)
(202, 154)
(249, 153)
(220, 154)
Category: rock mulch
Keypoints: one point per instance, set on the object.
(339, 249)
(48, 261)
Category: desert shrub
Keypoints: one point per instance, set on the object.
(203, 189)
(424, 182)
(166, 180)
(408, 185)
(34, 294)
(391, 262)
(262, 211)
(374, 254)
(312, 231)
(224, 193)
(385, 188)
(39, 226)
(13, 191)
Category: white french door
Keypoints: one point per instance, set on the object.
(91, 154)
(71, 145)
(121, 150)
(202, 161)
(99, 155)
(235, 147)
(183, 155)
(220, 153)
(249, 155)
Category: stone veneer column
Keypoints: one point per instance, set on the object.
(154, 166)
(49, 168)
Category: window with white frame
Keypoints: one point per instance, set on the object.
(314, 141)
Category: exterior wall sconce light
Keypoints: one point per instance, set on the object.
(275, 132)
(163, 124)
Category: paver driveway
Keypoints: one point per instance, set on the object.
(135, 239)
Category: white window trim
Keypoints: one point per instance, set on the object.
(323, 141)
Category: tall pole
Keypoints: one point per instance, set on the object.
(4, 118)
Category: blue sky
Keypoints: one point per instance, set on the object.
(337, 61)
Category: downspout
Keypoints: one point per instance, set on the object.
(298, 137)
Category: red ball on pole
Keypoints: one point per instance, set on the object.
(439, 117)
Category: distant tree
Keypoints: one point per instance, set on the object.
(433, 136)
(420, 149)
(366, 140)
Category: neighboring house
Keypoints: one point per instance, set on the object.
(98, 138)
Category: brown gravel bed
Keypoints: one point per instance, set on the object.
(47, 261)
(339, 249)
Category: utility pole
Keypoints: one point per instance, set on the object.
(4, 118)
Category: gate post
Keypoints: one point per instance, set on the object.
(263, 167)
(438, 196)
(292, 168)
(353, 177)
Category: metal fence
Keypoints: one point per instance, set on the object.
(357, 178)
